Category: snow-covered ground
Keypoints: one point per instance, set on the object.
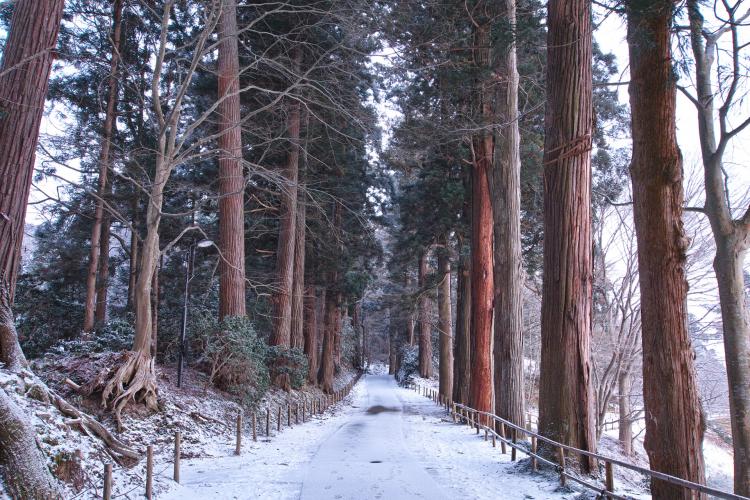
(389, 442)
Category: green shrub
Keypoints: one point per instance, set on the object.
(233, 356)
(284, 361)
(115, 335)
(409, 364)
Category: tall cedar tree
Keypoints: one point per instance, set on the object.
(24, 74)
(425, 324)
(99, 253)
(482, 275)
(505, 192)
(566, 405)
(674, 422)
(231, 178)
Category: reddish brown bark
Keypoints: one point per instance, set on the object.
(674, 423)
(97, 245)
(231, 179)
(297, 336)
(482, 279)
(282, 299)
(311, 333)
(566, 412)
(480, 394)
(24, 75)
(425, 328)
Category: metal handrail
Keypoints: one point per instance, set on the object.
(648, 472)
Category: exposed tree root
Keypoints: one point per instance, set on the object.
(90, 426)
(134, 379)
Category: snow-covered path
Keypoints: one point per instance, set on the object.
(367, 457)
(391, 443)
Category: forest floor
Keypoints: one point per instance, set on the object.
(385, 442)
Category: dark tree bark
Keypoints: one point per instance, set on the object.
(325, 373)
(425, 328)
(462, 359)
(311, 333)
(97, 250)
(505, 192)
(102, 284)
(445, 323)
(674, 423)
(732, 237)
(24, 75)
(566, 405)
(231, 179)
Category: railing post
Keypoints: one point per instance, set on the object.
(177, 440)
(610, 478)
(149, 471)
(561, 456)
(289, 415)
(107, 494)
(238, 447)
(502, 435)
(255, 432)
(278, 419)
(513, 448)
(268, 422)
(533, 451)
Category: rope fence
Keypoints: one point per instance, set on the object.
(300, 411)
(509, 434)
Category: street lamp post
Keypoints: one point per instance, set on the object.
(189, 263)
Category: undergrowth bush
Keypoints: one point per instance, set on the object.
(409, 364)
(291, 362)
(234, 356)
(115, 335)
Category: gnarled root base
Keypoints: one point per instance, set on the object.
(134, 379)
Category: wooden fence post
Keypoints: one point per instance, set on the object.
(255, 432)
(278, 419)
(107, 494)
(561, 455)
(289, 415)
(533, 451)
(296, 413)
(268, 422)
(177, 440)
(503, 436)
(610, 478)
(513, 450)
(149, 471)
(238, 447)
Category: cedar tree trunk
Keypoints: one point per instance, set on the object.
(97, 250)
(425, 329)
(566, 400)
(445, 323)
(674, 422)
(231, 179)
